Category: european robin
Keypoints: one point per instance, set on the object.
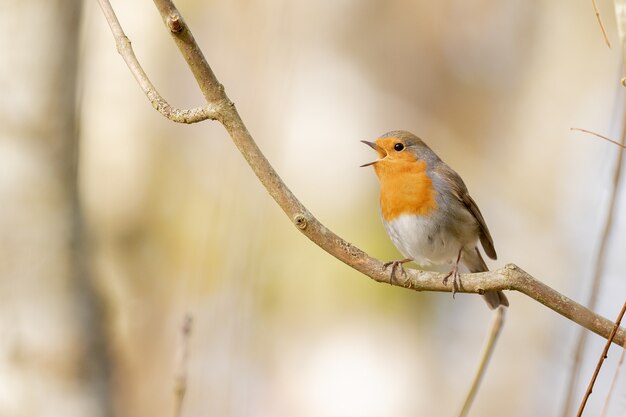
(427, 210)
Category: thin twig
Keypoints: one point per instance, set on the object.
(605, 351)
(595, 9)
(618, 369)
(180, 383)
(496, 327)
(125, 49)
(510, 277)
(621, 145)
(598, 273)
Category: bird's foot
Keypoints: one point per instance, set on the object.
(395, 266)
(456, 278)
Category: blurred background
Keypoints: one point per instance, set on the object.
(168, 220)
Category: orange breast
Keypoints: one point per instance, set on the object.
(405, 188)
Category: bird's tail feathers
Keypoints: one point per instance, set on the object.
(475, 263)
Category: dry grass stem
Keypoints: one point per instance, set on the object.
(597, 11)
(180, 383)
(496, 327)
(621, 145)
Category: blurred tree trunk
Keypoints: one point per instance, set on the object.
(52, 356)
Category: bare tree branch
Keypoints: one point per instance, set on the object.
(609, 394)
(579, 350)
(598, 271)
(603, 356)
(125, 49)
(510, 277)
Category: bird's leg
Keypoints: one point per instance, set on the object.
(394, 268)
(454, 273)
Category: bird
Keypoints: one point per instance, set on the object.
(428, 212)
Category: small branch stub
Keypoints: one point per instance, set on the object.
(174, 22)
(300, 222)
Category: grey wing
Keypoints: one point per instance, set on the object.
(485, 236)
(461, 191)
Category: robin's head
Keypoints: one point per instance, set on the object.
(400, 147)
(402, 168)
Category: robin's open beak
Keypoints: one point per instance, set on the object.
(377, 148)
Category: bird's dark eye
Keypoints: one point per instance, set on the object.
(398, 147)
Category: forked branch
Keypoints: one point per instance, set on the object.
(222, 109)
(125, 49)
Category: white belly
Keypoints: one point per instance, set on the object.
(421, 239)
